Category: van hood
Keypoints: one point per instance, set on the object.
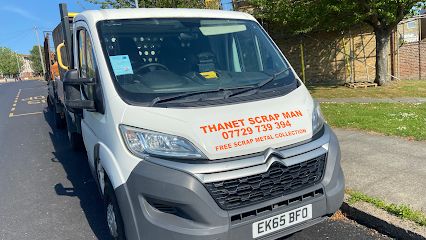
(235, 129)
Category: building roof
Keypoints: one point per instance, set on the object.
(133, 13)
(412, 18)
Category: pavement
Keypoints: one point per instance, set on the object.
(337, 230)
(10, 80)
(391, 168)
(2, 80)
(47, 191)
(373, 100)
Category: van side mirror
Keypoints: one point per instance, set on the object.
(72, 84)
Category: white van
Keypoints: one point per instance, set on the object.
(197, 127)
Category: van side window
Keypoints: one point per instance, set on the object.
(82, 53)
(86, 61)
(90, 71)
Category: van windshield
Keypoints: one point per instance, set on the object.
(211, 59)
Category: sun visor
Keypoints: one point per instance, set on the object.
(218, 30)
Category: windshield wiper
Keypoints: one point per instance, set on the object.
(260, 84)
(245, 89)
(184, 95)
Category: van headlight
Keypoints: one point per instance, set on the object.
(142, 142)
(317, 119)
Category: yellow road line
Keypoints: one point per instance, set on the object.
(14, 105)
(25, 114)
(11, 114)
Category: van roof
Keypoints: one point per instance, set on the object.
(132, 13)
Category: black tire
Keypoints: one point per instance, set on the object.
(110, 201)
(75, 139)
(58, 119)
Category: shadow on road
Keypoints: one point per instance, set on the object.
(78, 173)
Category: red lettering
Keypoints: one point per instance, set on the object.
(277, 116)
(286, 115)
(228, 125)
(258, 120)
(223, 147)
(235, 123)
(204, 128)
(212, 128)
(242, 122)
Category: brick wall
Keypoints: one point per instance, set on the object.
(412, 61)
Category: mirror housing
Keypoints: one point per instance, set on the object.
(72, 83)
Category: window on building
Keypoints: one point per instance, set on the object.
(411, 25)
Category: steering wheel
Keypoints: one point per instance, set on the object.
(152, 67)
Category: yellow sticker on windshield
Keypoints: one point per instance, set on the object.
(209, 75)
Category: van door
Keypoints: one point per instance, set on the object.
(93, 121)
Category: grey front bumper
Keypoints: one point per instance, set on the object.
(158, 202)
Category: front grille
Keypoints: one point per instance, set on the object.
(278, 181)
(235, 219)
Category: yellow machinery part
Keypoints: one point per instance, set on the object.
(59, 55)
(72, 14)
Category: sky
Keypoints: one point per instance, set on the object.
(19, 17)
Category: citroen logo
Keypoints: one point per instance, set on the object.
(271, 155)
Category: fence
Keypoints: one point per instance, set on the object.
(339, 57)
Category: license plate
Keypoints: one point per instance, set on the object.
(280, 221)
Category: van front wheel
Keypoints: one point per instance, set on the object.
(113, 215)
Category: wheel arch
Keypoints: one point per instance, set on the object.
(108, 162)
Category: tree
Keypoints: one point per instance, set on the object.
(9, 62)
(213, 4)
(150, 3)
(383, 16)
(312, 15)
(35, 60)
(296, 16)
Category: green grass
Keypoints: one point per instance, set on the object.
(404, 88)
(400, 210)
(395, 119)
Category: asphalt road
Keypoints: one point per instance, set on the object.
(46, 189)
